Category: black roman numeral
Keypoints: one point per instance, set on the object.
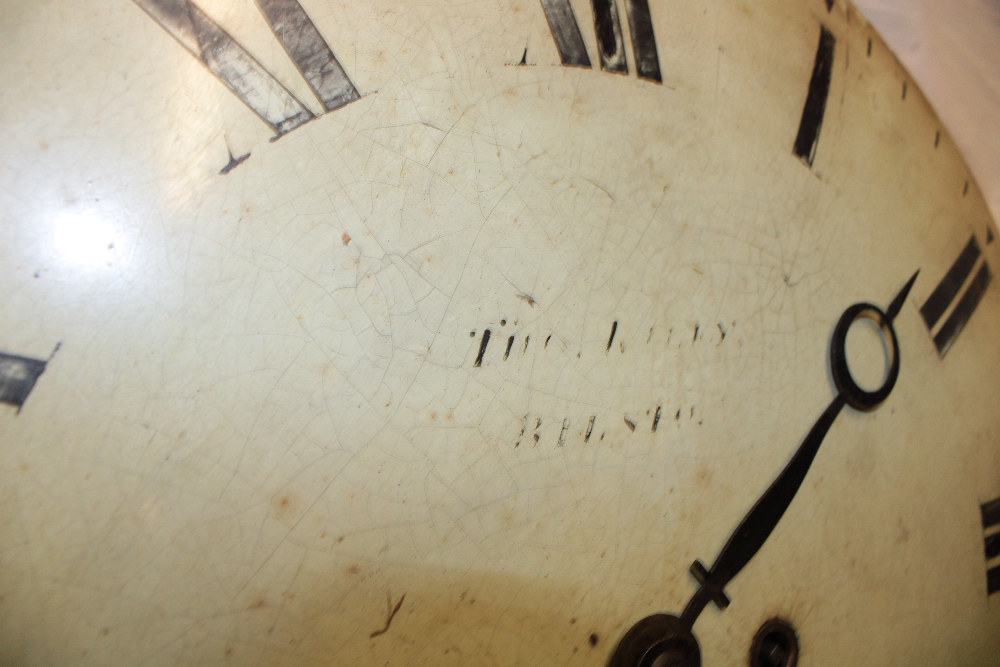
(991, 530)
(566, 33)
(945, 330)
(815, 107)
(610, 40)
(640, 22)
(311, 53)
(610, 44)
(244, 75)
(17, 378)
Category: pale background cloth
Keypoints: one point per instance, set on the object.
(952, 49)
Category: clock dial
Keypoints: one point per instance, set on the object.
(445, 333)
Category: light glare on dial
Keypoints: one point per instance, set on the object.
(83, 238)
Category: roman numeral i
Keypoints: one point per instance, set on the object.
(244, 75)
(610, 43)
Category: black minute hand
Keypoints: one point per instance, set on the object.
(758, 524)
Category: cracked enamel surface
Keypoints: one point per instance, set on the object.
(266, 423)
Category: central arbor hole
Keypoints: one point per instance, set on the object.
(776, 645)
(868, 354)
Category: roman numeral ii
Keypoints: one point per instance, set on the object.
(956, 295)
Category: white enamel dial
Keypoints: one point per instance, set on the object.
(453, 333)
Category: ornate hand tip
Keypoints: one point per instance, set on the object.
(897, 303)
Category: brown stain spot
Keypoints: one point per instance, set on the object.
(593, 639)
(434, 415)
(354, 569)
(258, 603)
(904, 533)
(284, 503)
(340, 539)
(105, 632)
(24, 468)
(450, 416)
(43, 145)
(86, 477)
(228, 652)
(703, 475)
(345, 238)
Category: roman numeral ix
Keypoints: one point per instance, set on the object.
(950, 295)
(610, 42)
(244, 75)
(17, 378)
(991, 530)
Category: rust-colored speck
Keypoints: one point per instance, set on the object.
(283, 502)
(346, 238)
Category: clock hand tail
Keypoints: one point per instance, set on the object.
(758, 524)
